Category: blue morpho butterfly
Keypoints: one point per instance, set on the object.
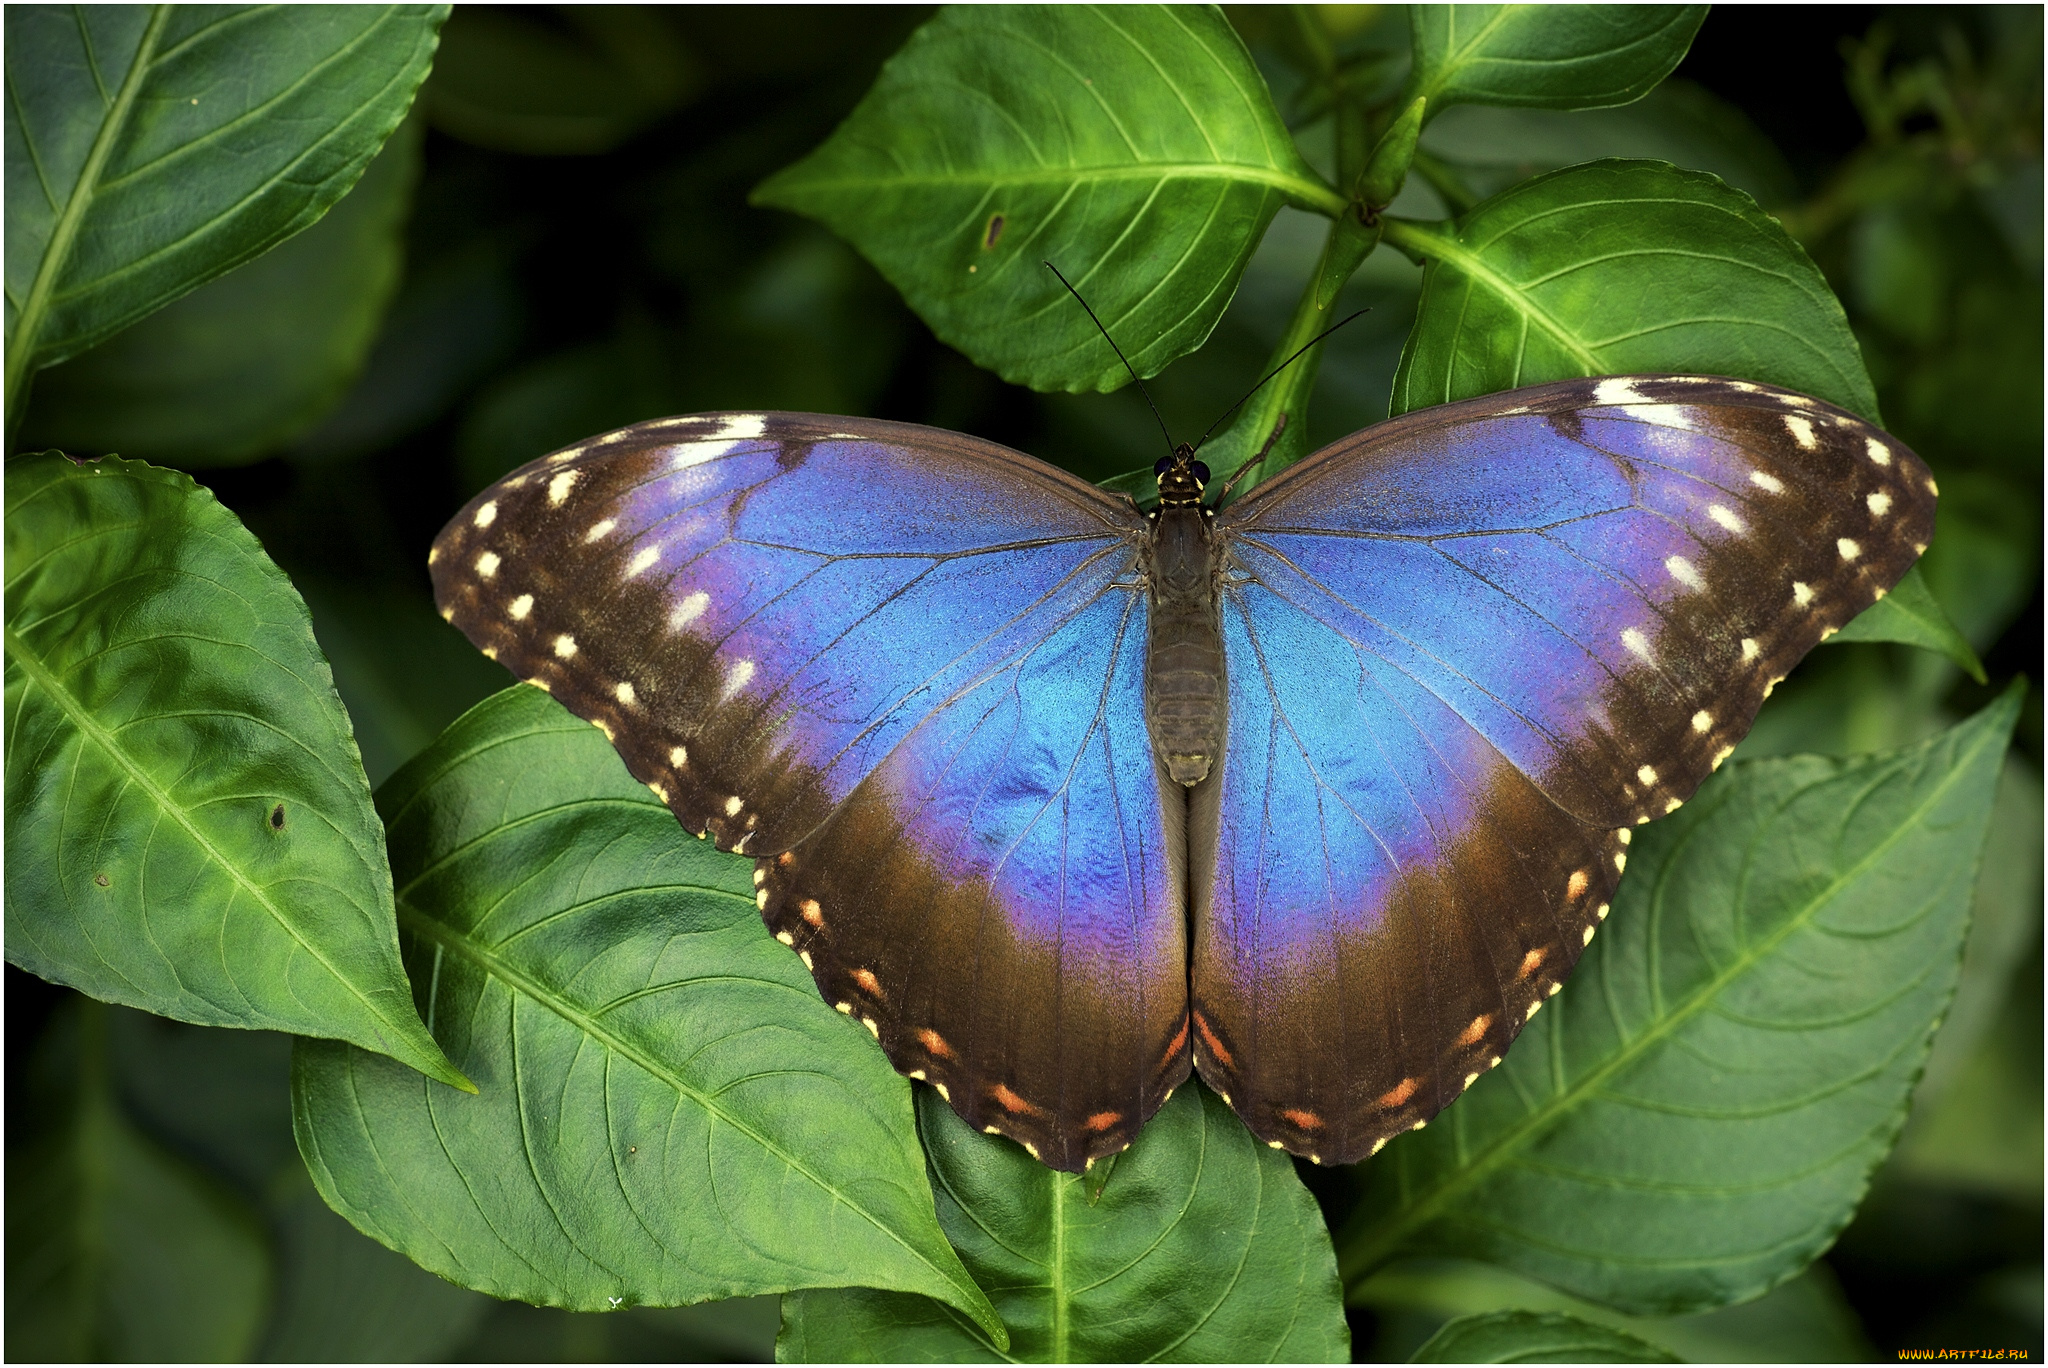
(1321, 792)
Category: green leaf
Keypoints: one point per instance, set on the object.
(1697, 1117)
(1546, 56)
(1620, 267)
(1536, 1337)
(151, 148)
(188, 826)
(669, 1113)
(1909, 613)
(244, 364)
(115, 1249)
(1134, 147)
(1202, 1247)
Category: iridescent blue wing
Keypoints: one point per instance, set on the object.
(902, 668)
(1468, 651)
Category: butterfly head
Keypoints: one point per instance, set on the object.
(1181, 477)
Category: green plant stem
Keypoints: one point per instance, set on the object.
(21, 344)
(1445, 181)
(1285, 396)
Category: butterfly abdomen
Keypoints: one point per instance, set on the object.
(1184, 681)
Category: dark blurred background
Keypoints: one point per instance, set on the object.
(558, 242)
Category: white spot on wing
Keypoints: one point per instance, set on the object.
(678, 757)
(736, 678)
(1750, 650)
(1702, 721)
(1880, 504)
(624, 692)
(1802, 593)
(599, 529)
(1726, 519)
(486, 513)
(1849, 549)
(690, 609)
(1638, 644)
(733, 805)
(521, 606)
(565, 646)
(560, 485)
(1685, 572)
(644, 557)
(1769, 484)
(487, 564)
(1615, 391)
(1879, 452)
(1801, 430)
(1647, 776)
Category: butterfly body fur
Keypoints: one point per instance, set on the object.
(951, 700)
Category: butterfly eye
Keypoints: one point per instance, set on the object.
(1201, 473)
(1161, 466)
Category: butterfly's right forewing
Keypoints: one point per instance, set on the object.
(889, 663)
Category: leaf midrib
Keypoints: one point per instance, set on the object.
(81, 717)
(1538, 1121)
(21, 346)
(1426, 241)
(448, 938)
(1320, 196)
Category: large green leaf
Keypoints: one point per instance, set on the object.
(1546, 56)
(115, 1248)
(152, 147)
(669, 1113)
(244, 364)
(1202, 1247)
(1697, 1116)
(188, 826)
(1134, 147)
(1614, 268)
(1536, 1337)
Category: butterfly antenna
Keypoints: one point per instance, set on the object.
(1277, 369)
(1121, 357)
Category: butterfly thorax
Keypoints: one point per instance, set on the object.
(1184, 681)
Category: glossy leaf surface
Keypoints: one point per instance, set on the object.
(1134, 147)
(1697, 1116)
(1910, 613)
(244, 364)
(152, 147)
(188, 826)
(668, 1112)
(1620, 268)
(1536, 1337)
(1202, 1246)
(1547, 56)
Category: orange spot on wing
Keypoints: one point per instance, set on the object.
(813, 914)
(1180, 1040)
(1576, 885)
(1209, 1039)
(1394, 1097)
(935, 1043)
(868, 982)
(1307, 1120)
(1530, 963)
(1102, 1121)
(1472, 1034)
(1010, 1102)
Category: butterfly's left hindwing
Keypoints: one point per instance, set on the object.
(1469, 650)
(890, 663)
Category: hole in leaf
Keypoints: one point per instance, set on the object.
(277, 818)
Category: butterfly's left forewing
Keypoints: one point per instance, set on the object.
(899, 667)
(1469, 651)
